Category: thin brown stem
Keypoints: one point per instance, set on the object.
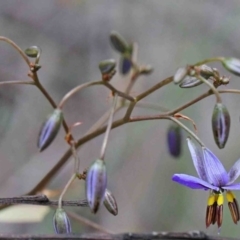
(17, 82)
(75, 90)
(120, 94)
(215, 59)
(109, 126)
(14, 45)
(70, 181)
(154, 88)
(47, 96)
(214, 90)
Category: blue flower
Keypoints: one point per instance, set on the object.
(213, 177)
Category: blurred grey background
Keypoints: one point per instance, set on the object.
(74, 37)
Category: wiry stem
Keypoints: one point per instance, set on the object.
(73, 177)
(215, 91)
(14, 45)
(19, 82)
(109, 126)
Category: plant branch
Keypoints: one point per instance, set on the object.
(154, 88)
(214, 90)
(17, 82)
(73, 177)
(90, 135)
(38, 84)
(109, 126)
(14, 45)
(40, 200)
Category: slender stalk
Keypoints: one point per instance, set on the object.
(77, 89)
(38, 55)
(73, 177)
(215, 59)
(14, 45)
(129, 110)
(47, 96)
(17, 82)
(109, 125)
(215, 91)
(120, 94)
(187, 130)
(154, 88)
(76, 158)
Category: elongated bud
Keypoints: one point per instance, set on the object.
(220, 124)
(96, 183)
(232, 65)
(49, 129)
(32, 51)
(180, 74)
(125, 65)
(190, 82)
(110, 203)
(107, 66)
(118, 42)
(174, 139)
(61, 222)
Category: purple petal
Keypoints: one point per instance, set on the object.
(197, 158)
(234, 172)
(235, 186)
(193, 182)
(215, 171)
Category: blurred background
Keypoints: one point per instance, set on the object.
(74, 38)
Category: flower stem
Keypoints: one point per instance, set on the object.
(65, 189)
(215, 59)
(75, 90)
(215, 91)
(109, 126)
(14, 45)
(187, 130)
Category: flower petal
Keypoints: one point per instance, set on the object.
(235, 186)
(197, 158)
(193, 182)
(215, 171)
(234, 172)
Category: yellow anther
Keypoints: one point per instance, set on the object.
(230, 196)
(211, 199)
(220, 199)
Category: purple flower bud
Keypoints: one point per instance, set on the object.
(49, 129)
(190, 82)
(174, 139)
(118, 43)
(232, 65)
(220, 124)
(110, 203)
(125, 65)
(96, 183)
(61, 222)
